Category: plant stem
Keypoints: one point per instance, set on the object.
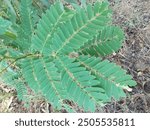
(21, 57)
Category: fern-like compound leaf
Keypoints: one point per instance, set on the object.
(47, 26)
(108, 40)
(42, 76)
(58, 57)
(80, 84)
(82, 27)
(112, 78)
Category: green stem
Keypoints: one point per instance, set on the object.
(16, 59)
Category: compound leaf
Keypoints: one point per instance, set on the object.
(108, 40)
(42, 76)
(112, 78)
(80, 84)
(83, 26)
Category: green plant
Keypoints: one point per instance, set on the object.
(61, 56)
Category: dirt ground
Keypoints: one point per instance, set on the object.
(134, 17)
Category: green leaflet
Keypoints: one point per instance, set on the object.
(26, 20)
(6, 31)
(4, 25)
(10, 11)
(26, 27)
